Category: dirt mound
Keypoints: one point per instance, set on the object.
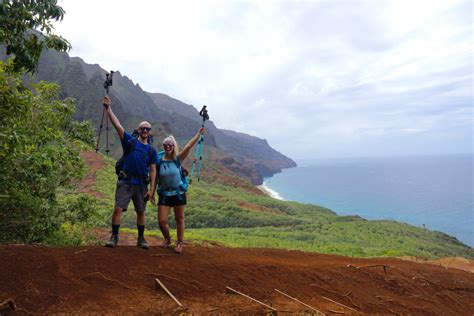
(447, 262)
(101, 280)
(456, 262)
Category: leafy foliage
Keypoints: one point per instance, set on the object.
(19, 19)
(83, 131)
(39, 153)
(77, 214)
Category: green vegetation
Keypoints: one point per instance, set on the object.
(233, 217)
(39, 142)
(39, 158)
(18, 20)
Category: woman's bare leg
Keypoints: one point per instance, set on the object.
(163, 211)
(179, 216)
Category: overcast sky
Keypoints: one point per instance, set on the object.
(314, 78)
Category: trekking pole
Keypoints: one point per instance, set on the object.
(194, 161)
(199, 146)
(107, 83)
(107, 132)
(100, 130)
(197, 153)
(200, 159)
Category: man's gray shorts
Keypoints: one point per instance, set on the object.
(125, 191)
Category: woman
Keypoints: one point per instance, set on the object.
(170, 191)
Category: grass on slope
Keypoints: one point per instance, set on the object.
(236, 218)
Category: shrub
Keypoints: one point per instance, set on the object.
(38, 155)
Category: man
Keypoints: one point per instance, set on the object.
(132, 183)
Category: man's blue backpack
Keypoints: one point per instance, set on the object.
(120, 163)
(183, 186)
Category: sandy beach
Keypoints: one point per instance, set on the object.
(270, 192)
(264, 190)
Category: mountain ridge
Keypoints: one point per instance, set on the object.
(252, 159)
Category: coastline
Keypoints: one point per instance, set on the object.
(345, 198)
(270, 192)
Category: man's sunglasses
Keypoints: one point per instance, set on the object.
(144, 129)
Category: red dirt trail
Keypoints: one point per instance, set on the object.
(95, 279)
(95, 162)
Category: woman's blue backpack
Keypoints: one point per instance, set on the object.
(183, 186)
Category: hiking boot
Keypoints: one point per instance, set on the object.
(179, 247)
(141, 242)
(112, 243)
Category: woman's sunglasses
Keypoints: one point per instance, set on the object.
(168, 145)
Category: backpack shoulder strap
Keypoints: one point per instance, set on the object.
(180, 167)
(178, 162)
(150, 153)
(159, 158)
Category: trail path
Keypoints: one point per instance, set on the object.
(96, 279)
(94, 162)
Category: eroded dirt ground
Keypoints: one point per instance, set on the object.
(95, 279)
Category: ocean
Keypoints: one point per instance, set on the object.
(435, 191)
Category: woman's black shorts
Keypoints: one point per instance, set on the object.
(173, 200)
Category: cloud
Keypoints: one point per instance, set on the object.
(314, 78)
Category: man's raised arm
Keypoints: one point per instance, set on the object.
(113, 119)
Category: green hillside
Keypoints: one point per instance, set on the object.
(235, 217)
